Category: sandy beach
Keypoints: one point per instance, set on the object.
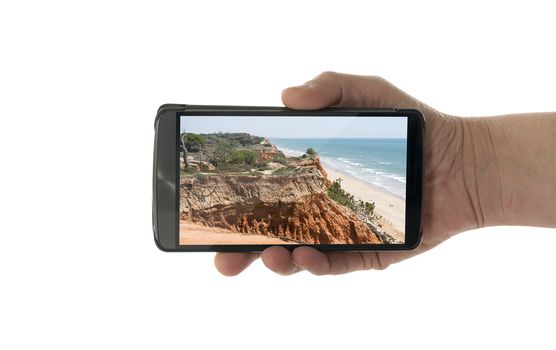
(387, 204)
(192, 233)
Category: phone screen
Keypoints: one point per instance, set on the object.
(292, 180)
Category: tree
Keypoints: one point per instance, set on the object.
(185, 162)
(193, 143)
(222, 152)
(311, 151)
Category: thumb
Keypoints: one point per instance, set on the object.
(346, 90)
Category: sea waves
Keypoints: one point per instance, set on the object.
(394, 183)
(363, 167)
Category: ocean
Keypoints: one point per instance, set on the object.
(381, 162)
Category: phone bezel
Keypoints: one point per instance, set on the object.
(166, 173)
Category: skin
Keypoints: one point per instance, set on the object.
(478, 172)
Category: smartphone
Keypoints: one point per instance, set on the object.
(238, 178)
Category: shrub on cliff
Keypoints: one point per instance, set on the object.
(280, 159)
(243, 156)
(232, 168)
(283, 171)
(311, 151)
(365, 207)
(222, 153)
(337, 193)
(341, 196)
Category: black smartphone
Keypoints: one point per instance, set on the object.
(233, 178)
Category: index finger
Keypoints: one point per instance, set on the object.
(231, 264)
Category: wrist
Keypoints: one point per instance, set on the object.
(481, 171)
(509, 171)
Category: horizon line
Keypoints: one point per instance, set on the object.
(337, 138)
(296, 138)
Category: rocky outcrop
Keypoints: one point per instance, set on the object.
(311, 162)
(199, 166)
(293, 206)
(274, 166)
(267, 152)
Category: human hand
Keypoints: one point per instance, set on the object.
(448, 204)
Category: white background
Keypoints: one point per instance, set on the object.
(79, 87)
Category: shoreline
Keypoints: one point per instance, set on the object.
(327, 165)
(387, 204)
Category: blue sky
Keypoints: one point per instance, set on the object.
(300, 127)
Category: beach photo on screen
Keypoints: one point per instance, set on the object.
(292, 180)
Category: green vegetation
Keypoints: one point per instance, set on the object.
(190, 142)
(337, 193)
(282, 160)
(238, 138)
(366, 207)
(243, 156)
(341, 196)
(283, 171)
(311, 151)
(222, 153)
(193, 142)
(187, 171)
(232, 168)
(262, 165)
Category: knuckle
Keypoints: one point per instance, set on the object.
(377, 263)
(328, 75)
(380, 80)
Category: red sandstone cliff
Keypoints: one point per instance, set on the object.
(268, 153)
(293, 206)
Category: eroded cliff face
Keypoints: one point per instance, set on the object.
(293, 206)
(268, 153)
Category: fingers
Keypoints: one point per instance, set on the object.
(279, 260)
(231, 264)
(286, 262)
(335, 263)
(311, 260)
(346, 90)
